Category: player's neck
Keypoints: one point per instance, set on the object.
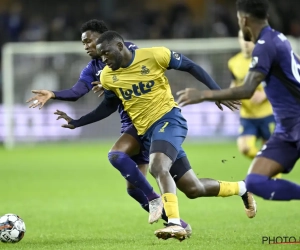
(127, 59)
(256, 30)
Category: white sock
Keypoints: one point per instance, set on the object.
(174, 221)
(242, 188)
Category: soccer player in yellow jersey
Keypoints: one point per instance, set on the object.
(256, 115)
(137, 80)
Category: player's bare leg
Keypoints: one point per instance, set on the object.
(260, 183)
(194, 188)
(160, 165)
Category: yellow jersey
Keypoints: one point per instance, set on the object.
(239, 66)
(142, 87)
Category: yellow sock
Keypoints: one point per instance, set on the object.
(171, 205)
(251, 145)
(228, 188)
(278, 176)
(252, 152)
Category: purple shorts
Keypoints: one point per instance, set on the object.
(143, 156)
(284, 147)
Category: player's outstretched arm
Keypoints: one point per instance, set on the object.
(41, 97)
(73, 94)
(198, 72)
(201, 75)
(105, 109)
(192, 96)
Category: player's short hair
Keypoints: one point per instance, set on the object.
(110, 36)
(256, 8)
(94, 25)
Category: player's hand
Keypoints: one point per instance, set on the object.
(98, 88)
(63, 115)
(189, 96)
(40, 98)
(232, 105)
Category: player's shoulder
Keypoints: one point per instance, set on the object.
(153, 52)
(270, 39)
(131, 45)
(153, 49)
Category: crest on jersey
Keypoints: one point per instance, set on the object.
(115, 78)
(254, 62)
(145, 70)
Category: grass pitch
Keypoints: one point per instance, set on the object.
(70, 197)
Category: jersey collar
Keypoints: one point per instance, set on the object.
(133, 56)
(263, 31)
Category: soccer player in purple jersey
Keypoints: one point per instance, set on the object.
(275, 64)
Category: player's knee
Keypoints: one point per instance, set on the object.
(115, 156)
(193, 189)
(156, 171)
(193, 192)
(160, 165)
(255, 183)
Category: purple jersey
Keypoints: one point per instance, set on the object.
(89, 74)
(273, 56)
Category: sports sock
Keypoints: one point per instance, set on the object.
(130, 172)
(171, 207)
(165, 218)
(140, 197)
(252, 152)
(272, 189)
(228, 188)
(278, 176)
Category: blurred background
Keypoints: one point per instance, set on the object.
(204, 30)
(61, 182)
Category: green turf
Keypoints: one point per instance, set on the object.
(71, 198)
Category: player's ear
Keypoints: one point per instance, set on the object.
(120, 46)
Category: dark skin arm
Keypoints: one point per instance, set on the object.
(192, 96)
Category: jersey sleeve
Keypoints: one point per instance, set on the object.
(166, 58)
(87, 76)
(263, 56)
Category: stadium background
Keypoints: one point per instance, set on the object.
(56, 175)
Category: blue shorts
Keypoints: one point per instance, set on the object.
(171, 129)
(143, 156)
(261, 127)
